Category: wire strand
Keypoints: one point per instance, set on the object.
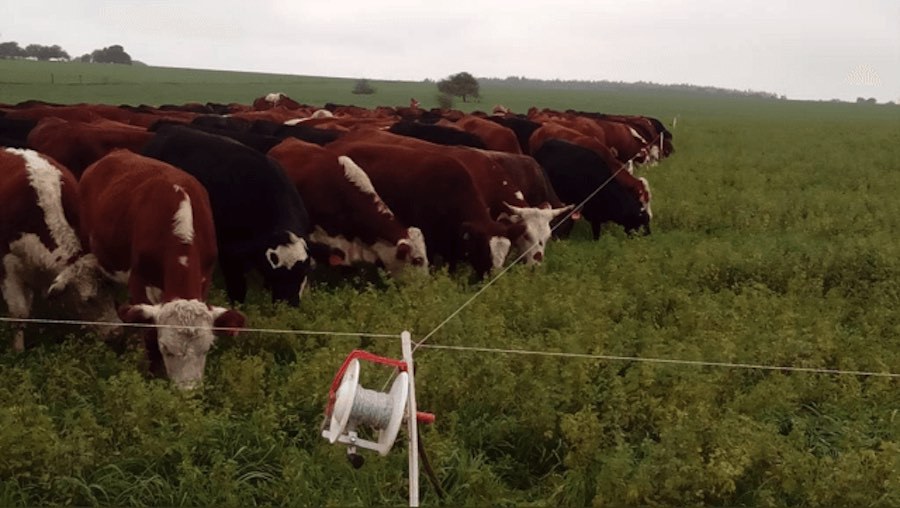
(273, 331)
(698, 363)
(519, 258)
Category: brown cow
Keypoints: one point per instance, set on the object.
(40, 240)
(435, 193)
(162, 243)
(494, 135)
(77, 145)
(345, 212)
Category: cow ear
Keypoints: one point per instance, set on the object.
(403, 251)
(272, 257)
(138, 313)
(228, 318)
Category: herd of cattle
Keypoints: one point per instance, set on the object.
(92, 195)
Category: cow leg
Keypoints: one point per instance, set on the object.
(18, 297)
(595, 229)
(235, 282)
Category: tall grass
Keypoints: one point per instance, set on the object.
(774, 243)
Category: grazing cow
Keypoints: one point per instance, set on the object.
(260, 219)
(435, 193)
(505, 201)
(551, 130)
(532, 181)
(40, 245)
(346, 213)
(77, 145)
(150, 226)
(576, 172)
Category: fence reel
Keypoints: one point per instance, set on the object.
(351, 406)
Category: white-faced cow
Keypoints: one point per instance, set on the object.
(346, 213)
(150, 226)
(39, 240)
(435, 193)
(261, 222)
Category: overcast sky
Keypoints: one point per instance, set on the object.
(805, 49)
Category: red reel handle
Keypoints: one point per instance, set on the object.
(362, 355)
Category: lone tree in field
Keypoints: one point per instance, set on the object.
(113, 54)
(461, 85)
(363, 87)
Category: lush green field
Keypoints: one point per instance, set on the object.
(774, 242)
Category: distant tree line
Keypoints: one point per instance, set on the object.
(573, 84)
(112, 54)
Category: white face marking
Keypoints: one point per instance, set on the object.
(183, 220)
(356, 251)
(322, 113)
(294, 121)
(289, 254)
(274, 97)
(519, 195)
(361, 180)
(499, 250)
(183, 261)
(183, 349)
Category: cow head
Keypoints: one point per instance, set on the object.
(83, 282)
(407, 253)
(185, 334)
(537, 229)
(286, 266)
(486, 245)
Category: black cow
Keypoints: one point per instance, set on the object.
(437, 134)
(520, 125)
(576, 172)
(260, 219)
(14, 132)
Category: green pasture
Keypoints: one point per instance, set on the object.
(774, 243)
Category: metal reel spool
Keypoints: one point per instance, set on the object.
(354, 405)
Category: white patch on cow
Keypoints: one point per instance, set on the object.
(302, 287)
(154, 294)
(499, 250)
(183, 220)
(295, 121)
(649, 196)
(322, 113)
(636, 135)
(361, 180)
(418, 249)
(274, 97)
(183, 261)
(46, 180)
(519, 195)
(17, 295)
(289, 254)
(505, 182)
